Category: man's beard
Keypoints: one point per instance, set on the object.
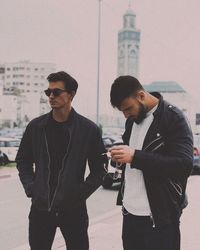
(141, 115)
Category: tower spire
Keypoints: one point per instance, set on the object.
(128, 44)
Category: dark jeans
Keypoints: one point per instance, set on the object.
(138, 234)
(73, 226)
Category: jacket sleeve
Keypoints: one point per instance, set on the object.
(96, 165)
(177, 159)
(25, 161)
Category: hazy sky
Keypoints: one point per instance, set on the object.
(65, 32)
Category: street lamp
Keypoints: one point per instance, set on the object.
(98, 60)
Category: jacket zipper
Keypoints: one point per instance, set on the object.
(50, 204)
(180, 191)
(151, 214)
(60, 174)
(152, 219)
(160, 145)
(152, 142)
(49, 170)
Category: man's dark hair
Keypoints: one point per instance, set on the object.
(122, 88)
(69, 82)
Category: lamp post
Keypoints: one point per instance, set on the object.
(98, 60)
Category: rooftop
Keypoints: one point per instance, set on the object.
(164, 87)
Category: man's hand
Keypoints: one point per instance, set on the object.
(122, 154)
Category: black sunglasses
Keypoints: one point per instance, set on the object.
(55, 92)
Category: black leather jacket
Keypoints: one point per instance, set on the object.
(33, 161)
(166, 161)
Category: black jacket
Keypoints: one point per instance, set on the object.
(32, 159)
(166, 161)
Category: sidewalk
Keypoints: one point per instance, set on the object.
(105, 230)
(104, 233)
(8, 172)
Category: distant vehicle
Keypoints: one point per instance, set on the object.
(9, 147)
(108, 142)
(196, 162)
(3, 159)
(12, 132)
(113, 175)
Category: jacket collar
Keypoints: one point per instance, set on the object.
(157, 111)
(160, 103)
(43, 122)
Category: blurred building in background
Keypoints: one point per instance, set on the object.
(2, 70)
(22, 87)
(176, 95)
(128, 46)
(8, 111)
(26, 77)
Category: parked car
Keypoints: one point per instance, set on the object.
(113, 174)
(3, 159)
(196, 162)
(9, 147)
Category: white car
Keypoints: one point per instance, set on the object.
(9, 146)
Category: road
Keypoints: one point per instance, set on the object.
(14, 208)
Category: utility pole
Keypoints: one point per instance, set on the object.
(98, 60)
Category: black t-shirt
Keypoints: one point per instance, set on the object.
(58, 140)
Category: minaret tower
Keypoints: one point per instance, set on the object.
(128, 45)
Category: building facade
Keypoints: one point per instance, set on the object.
(8, 111)
(2, 75)
(24, 81)
(26, 77)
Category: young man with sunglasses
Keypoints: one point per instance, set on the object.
(51, 162)
(158, 159)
